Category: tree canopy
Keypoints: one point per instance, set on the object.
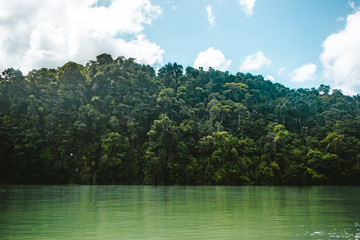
(115, 121)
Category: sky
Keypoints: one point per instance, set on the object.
(298, 43)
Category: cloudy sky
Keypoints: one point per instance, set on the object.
(299, 43)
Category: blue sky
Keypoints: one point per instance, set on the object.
(289, 33)
(299, 43)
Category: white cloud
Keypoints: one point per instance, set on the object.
(341, 56)
(269, 77)
(304, 73)
(354, 5)
(255, 62)
(212, 58)
(340, 19)
(211, 17)
(280, 71)
(41, 33)
(247, 7)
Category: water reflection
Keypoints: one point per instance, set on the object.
(147, 212)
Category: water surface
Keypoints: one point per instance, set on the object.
(147, 212)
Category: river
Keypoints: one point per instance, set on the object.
(179, 212)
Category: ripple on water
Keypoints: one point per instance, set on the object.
(138, 212)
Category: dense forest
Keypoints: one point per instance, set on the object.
(118, 122)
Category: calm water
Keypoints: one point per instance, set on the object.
(145, 212)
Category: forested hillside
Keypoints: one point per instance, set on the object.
(117, 122)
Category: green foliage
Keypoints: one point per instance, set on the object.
(114, 121)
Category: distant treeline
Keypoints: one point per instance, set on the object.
(117, 122)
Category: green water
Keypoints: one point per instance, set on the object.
(146, 212)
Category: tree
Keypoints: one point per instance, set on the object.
(115, 121)
(115, 165)
(161, 151)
